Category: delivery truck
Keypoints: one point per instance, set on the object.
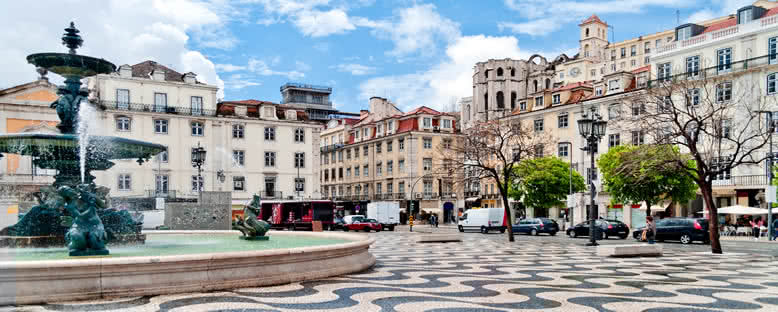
(386, 213)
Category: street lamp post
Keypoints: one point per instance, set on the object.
(570, 194)
(198, 158)
(592, 129)
(769, 160)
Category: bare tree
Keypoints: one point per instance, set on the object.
(490, 150)
(714, 118)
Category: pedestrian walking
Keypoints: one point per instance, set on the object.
(775, 228)
(650, 229)
(756, 227)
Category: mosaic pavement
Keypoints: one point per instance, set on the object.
(485, 273)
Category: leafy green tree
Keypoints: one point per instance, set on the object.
(544, 182)
(646, 173)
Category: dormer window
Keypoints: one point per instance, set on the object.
(745, 16)
(427, 122)
(613, 85)
(684, 33)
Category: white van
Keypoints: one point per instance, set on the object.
(386, 213)
(352, 219)
(483, 220)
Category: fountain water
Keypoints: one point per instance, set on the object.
(87, 123)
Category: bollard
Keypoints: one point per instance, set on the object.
(410, 223)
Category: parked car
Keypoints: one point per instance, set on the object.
(337, 224)
(363, 225)
(484, 220)
(609, 228)
(352, 218)
(535, 226)
(685, 230)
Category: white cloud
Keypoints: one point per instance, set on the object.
(354, 69)
(700, 16)
(120, 31)
(229, 67)
(302, 66)
(240, 81)
(452, 77)
(717, 8)
(415, 29)
(544, 17)
(260, 67)
(316, 23)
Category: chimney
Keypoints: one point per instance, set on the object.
(125, 71)
(158, 74)
(190, 77)
(240, 110)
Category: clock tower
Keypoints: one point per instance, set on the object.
(594, 38)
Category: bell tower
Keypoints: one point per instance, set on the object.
(594, 38)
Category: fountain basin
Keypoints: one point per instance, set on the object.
(71, 65)
(47, 145)
(30, 282)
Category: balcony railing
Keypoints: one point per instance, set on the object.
(472, 193)
(331, 147)
(271, 194)
(171, 194)
(755, 26)
(138, 107)
(744, 180)
(717, 70)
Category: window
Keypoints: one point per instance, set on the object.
(637, 138)
(160, 102)
(613, 55)
(299, 135)
(647, 47)
(623, 52)
(379, 169)
(694, 97)
(563, 150)
(197, 128)
(356, 171)
(390, 126)
(332, 157)
(365, 171)
(446, 143)
(499, 71)
(724, 91)
(348, 153)
(613, 67)
(724, 59)
(380, 130)
(500, 100)
(340, 173)
(160, 126)
(633, 62)
(198, 183)
(237, 131)
(378, 147)
(658, 43)
(388, 146)
(745, 16)
(401, 144)
(663, 71)
(539, 150)
(683, 33)
(693, 66)
(613, 85)
(726, 128)
(122, 98)
(238, 183)
(401, 187)
(723, 175)
(340, 156)
(539, 102)
(270, 134)
(646, 60)
(427, 188)
(633, 50)
(538, 125)
(238, 158)
(401, 165)
(364, 133)
(556, 99)
(522, 106)
(356, 152)
(299, 160)
(614, 111)
(562, 120)
(125, 182)
(427, 164)
(598, 91)
(389, 167)
(622, 65)
(427, 122)
(197, 105)
(270, 159)
(123, 123)
(365, 148)
(299, 185)
(593, 73)
(666, 106)
(348, 172)
(270, 186)
(614, 140)
(427, 143)
(446, 123)
(161, 186)
(771, 83)
(772, 50)
(638, 109)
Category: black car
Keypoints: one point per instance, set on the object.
(535, 226)
(609, 228)
(685, 230)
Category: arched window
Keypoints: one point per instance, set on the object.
(548, 83)
(535, 86)
(499, 72)
(587, 32)
(486, 103)
(500, 100)
(586, 50)
(513, 72)
(513, 100)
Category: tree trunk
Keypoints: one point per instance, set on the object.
(648, 208)
(713, 220)
(508, 216)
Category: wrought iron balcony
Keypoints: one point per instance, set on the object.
(171, 194)
(162, 109)
(271, 194)
(743, 180)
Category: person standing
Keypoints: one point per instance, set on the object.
(756, 227)
(650, 229)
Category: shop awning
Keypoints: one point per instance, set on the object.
(471, 199)
(740, 210)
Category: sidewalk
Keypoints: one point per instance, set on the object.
(762, 239)
(426, 228)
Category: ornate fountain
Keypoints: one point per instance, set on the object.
(73, 210)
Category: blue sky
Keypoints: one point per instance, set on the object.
(413, 52)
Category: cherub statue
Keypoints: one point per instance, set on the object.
(250, 225)
(87, 235)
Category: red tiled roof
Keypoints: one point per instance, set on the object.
(642, 69)
(144, 69)
(408, 125)
(249, 102)
(732, 21)
(632, 85)
(572, 86)
(593, 19)
(424, 110)
(576, 97)
(351, 121)
(771, 12)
